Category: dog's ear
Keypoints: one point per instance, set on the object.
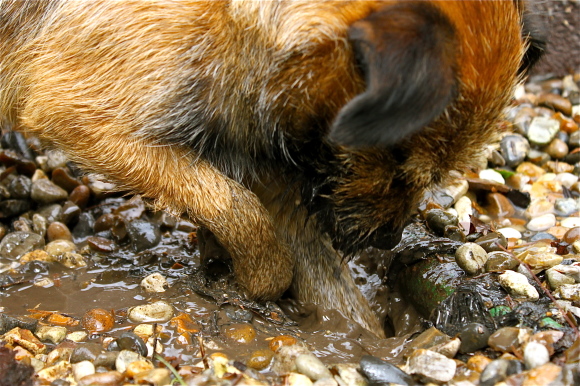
(407, 54)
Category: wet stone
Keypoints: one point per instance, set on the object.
(499, 261)
(155, 282)
(281, 340)
(84, 227)
(438, 219)
(70, 212)
(143, 234)
(566, 206)
(507, 339)
(62, 178)
(380, 372)
(510, 233)
(499, 206)
(16, 244)
(11, 208)
(101, 244)
(131, 341)
(572, 235)
(514, 149)
(431, 366)
(260, 359)
(240, 332)
(46, 192)
(557, 149)
(98, 320)
(312, 367)
(474, 336)
(493, 241)
(555, 102)
(570, 222)
(82, 369)
(20, 187)
(106, 359)
(471, 258)
(58, 231)
(55, 334)
(568, 292)
(109, 378)
(55, 159)
(498, 370)
(491, 175)
(85, 352)
(158, 312)
(518, 286)
(80, 196)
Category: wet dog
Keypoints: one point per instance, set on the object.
(296, 132)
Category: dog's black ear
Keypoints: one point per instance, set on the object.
(407, 53)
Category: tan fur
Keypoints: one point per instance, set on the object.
(104, 81)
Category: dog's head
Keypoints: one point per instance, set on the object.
(438, 76)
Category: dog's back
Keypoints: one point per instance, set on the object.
(338, 115)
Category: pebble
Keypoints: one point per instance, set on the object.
(16, 244)
(499, 261)
(240, 332)
(540, 259)
(20, 187)
(312, 367)
(131, 341)
(137, 367)
(101, 244)
(60, 371)
(51, 213)
(39, 224)
(473, 337)
(55, 159)
(45, 191)
(499, 206)
(556, 278)
(567, 179)
(566, 207)
(296, 379)
(155, 377)
(260, 359)
(82, 369)
(98, 320)
(62, 178)
(143, 234)
(557, 149)
(568, 292)
(498, 370)
(555, 102)
(464, 208)
(438, 219)
(431, 366)
(570, 222)
(542, 130)
(285, 357)
(491, 175)
(80, 196)
(510, 233)
(57, 248)
(541, 223)
(539, 207)
(514, 149)
(58, 231)
(281, 340)
(493, 241)
(77, 336)
(125, 358)
(55, 334)
(157, 312)
(535, 355)
(155, 282)
(471, 258)
(108, 378)
(518, 286)
(379, 372)
(87, 351)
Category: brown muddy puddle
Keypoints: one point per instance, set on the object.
(112, 281)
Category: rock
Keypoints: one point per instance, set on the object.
(438, 219)
(499, 206)
(498, 370)
(566, 179)
(349, 373)
(82, 369)
(570, 222)
(510, 233)
(240, 332)
(518, 286)
(260, 359)
(143, 234)
(431, 366)
(131, 341)
(55, 334)
(125, 358)
(281, 340)
(20, 187)
(155, 282)
(474, 336)
(507, 339)
(86, 352)
(380, 372)
(12, 208)
(514, 149)
(312, 367)
(16, 244)
(542, 130)
(471, 258)
(535, 355)
(542, 223)
(555, 102)
(101, 244)
(492, 242)
(295, 379)
(57, 248)
(568, 292)
(557, 149)
(98, 320)
(499, 261)
(108, 378)
(158, 312)
(55, 159)
(556, 278)
(58, 231)
(285, 358)
(566, 207)
(491, 175)
(80, 196)
(45, 192)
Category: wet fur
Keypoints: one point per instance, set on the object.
(290, 130)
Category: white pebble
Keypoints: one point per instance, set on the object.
(312, 367)
(542, 223)
(463, 208)
(570, 222)
(295, 379)
(155, 282)
(568, 292)
(567, 179)
(159, 312)
(518, 286)
(491, 175)
(431, 366)
(510, 233)
(82, 369)
(535, 355)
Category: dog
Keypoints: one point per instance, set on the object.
(297, 132)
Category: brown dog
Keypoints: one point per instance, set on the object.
(291, 130)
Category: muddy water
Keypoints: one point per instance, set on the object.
(112, 281)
